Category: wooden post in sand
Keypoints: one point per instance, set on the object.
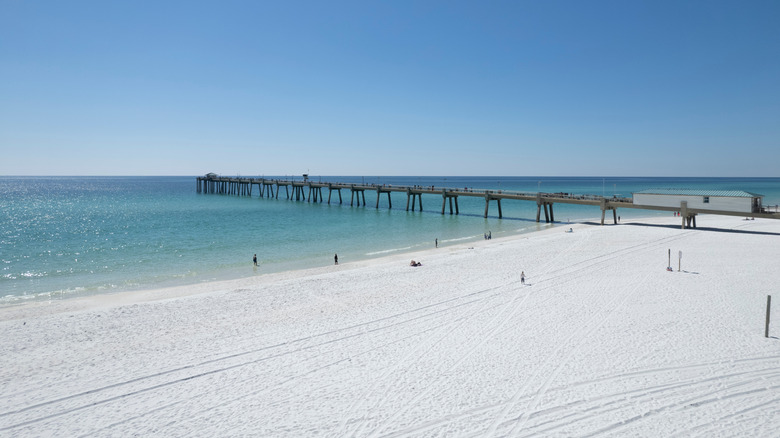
(768, 306)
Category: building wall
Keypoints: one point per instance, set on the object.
(738, 204)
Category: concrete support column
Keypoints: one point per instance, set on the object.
(538, 206)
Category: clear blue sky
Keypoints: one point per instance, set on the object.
(580, 88)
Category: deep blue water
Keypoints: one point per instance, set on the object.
(69, 236)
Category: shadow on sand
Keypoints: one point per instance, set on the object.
(677, 227)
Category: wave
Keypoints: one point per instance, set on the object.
(388, 251)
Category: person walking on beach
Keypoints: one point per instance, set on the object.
(254, 259)
(437, 242)
(522, 277)
(336, 258)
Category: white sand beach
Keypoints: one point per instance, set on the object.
(601, 340)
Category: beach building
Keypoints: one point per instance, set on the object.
(716, 200)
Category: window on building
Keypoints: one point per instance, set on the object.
(706, 199)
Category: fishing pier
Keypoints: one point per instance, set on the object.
(685, 205)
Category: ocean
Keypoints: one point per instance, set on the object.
(64, 237)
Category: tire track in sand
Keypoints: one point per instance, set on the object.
(194, 371)
(488, 330)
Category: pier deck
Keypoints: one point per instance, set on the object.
(311, 191)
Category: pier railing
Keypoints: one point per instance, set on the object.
(770, 209)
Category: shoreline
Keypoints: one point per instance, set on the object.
(85, 300)
(142, 295)
(136, 296)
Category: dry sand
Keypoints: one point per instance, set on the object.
(601, 340)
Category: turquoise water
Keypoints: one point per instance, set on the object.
(62, 237)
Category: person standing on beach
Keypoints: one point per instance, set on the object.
(522, 277)
(437, 242)
(336, 258)
(254, 259)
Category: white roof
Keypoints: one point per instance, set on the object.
(697, 192)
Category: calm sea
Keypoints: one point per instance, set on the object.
(62, 237)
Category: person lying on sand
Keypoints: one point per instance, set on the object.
(415, 264)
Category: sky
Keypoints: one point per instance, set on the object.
(471, 88)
